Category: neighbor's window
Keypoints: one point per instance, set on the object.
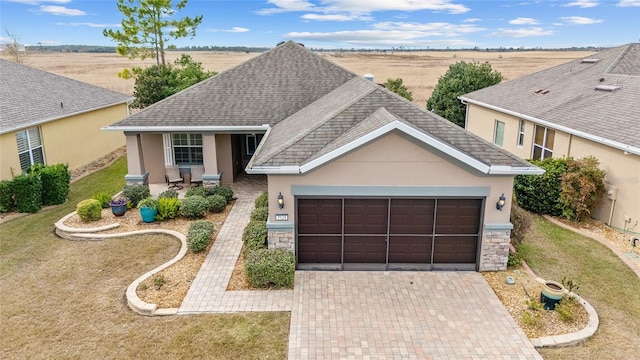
(30, 149)
(543, 143)
(521, 133)
(253, 141)
(187, 149)
(498, 135)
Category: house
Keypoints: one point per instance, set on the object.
(358, 177)
(49, 119)
(585, 107)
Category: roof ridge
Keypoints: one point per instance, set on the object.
(318, 106)
(617, 60)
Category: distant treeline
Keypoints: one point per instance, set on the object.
(248, 49)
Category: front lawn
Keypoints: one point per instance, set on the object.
(65, 299)
(605, 282)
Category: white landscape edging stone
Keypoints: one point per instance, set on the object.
(134, 302)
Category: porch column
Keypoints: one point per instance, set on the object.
(211, 176)
(135, 161)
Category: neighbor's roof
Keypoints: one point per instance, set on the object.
(262, 90)
(360, 112)
(570, 100)
(29, 97)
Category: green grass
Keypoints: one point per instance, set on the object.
(65, 299)
(605, 282)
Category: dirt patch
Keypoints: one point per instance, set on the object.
(514, 297)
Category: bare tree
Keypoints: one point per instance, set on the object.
(13, 47)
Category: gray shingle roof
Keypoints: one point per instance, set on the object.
(573, 103)
(262, 90)
(30, 96)
(373, 108)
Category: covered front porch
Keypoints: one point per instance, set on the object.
(222, 155)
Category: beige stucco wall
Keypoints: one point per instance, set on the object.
(153, 151)
(224, 158)
(623, 171)
(75, 140)
(392, 161)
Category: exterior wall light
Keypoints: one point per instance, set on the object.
(281, 201)
(500, 203)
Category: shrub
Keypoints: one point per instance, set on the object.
(225, 191)
(255, 235)
(135, 193)
(194, 207)
(567, 309)
(540, 193)
(148, 202)
(169, 194)
(260, 214)
(89, 210)
(521, 221)
(7, 196)
(198, 239)
(197, 191)
(514, 259)
(217, 203)
(168, 208)
(28, 193)
(55, 182)
(103, 197)
(582, 188)
(262, 200)
(270, 268)
(202, 224)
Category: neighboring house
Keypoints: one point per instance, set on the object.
(585, 107)
(49, 119)
(368, 180)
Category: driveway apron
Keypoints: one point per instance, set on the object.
(401, 315)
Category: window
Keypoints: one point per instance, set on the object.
(187, 149)
(30, 149)
(543, 143)
(253, 141)
(521, 133)
(498, 135)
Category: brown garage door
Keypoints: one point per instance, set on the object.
(388, 234)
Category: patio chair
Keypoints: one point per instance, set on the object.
(173, 177)
(196, 175)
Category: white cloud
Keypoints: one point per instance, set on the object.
(583, 3)
(336, 17)
(579, 20)
(429, 29)
(377, 38)
(61, 10)
(237, 29)
(38, 2)
(472, 20)
(520, 33)
(523, 21)
(363, 7)
(628, 3)
(89, 24)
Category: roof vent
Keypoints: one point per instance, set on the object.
(589, 61)
(541, 91)
(608, 88)
(368, 77)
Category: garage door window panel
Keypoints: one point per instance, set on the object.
(458, 216)
(411, 216)
(320, 216)
(365, 216)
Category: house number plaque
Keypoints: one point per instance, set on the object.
(282, 217)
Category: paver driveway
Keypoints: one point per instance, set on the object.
(401, 315)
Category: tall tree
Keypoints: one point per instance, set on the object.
(148, 26)
(157, 82)
(14, 47)
(397, 87)
(461, 78)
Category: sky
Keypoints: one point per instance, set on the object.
(347, 24)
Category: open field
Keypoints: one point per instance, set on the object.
(419, 70)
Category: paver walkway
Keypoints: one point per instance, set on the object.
(401, 315)
(208, 291)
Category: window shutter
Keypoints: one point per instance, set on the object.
(168, 149)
